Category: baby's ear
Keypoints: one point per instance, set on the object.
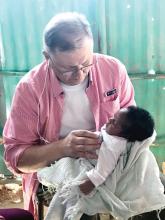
(46, 55)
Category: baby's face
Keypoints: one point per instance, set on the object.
(114, 125)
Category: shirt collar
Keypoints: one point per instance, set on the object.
(55, 84)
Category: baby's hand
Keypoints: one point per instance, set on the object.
(86, 187)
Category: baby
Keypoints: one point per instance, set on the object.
(124, 138)
(128, 125)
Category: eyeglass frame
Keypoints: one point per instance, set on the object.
(66, 73)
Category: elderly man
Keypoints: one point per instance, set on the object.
(59, 103)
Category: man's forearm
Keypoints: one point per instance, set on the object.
(78, 143)
(39, 156)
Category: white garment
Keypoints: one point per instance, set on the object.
(134, 187)
(77, 110)
(111, 149)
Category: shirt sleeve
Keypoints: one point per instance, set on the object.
(20, 131)
(108, 157)
(126, 91)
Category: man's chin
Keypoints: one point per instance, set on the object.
(74, 82)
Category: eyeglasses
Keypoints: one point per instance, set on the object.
(84, 69)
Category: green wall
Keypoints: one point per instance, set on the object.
(150, 94)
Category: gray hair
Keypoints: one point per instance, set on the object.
(66, 32)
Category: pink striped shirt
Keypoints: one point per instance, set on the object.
(20, 131)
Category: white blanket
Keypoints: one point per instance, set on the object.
(133, 188)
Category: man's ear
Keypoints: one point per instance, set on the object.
(46, 55)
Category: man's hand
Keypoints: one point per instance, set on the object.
(86, 187)
(81, 143)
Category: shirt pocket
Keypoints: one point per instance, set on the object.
(108, 107)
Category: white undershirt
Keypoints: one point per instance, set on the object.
(77, 111)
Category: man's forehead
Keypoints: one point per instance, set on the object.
(69, 61)
(77, 56)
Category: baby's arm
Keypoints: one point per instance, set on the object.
(109, 154)
(96, 176)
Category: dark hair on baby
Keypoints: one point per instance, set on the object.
(139, 126)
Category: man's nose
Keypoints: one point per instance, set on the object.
(78, 72)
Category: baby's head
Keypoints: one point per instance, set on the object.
(132, 123)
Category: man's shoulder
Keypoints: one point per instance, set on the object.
(106, 59)
(35, 73)
(108, 68)
(34, 79)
